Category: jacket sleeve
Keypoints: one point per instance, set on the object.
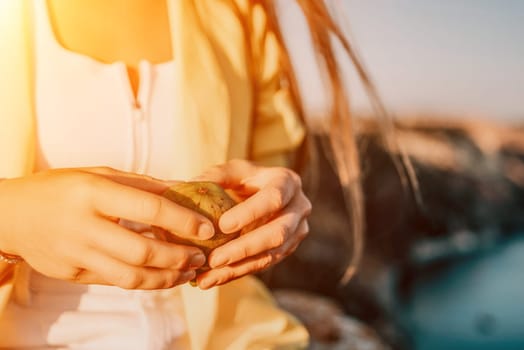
(277, 127)
(7, 275)
(249, 319)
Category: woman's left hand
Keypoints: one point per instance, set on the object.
(272, 216)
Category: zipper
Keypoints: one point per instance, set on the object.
(139, 133)
(141, 138)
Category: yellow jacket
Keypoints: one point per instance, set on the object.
(218, 65)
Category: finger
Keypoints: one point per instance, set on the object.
(143, 182)
(62, 269)
(263, 238)
(278, 252)
(89, 277)
(117, 273)
(135, 249)
(229, 273)
(269, 200)
(116, 200)
(252, 264)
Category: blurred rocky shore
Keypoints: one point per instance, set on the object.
(470, 196)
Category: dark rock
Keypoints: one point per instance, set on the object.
(471, 186)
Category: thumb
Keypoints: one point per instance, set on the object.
(138, 181)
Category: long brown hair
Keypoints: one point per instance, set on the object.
(341, 127)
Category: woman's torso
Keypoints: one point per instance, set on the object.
(89, 113)
(102, 30)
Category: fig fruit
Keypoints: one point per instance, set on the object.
(206, 198)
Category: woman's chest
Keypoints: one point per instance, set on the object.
(89, 114)
(113, 30)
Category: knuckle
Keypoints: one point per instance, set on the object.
(71, 274)
(171, 279)
(289, 176)
(190, 225)
(297, 179)
(150, 208)
(229, 276)
(279, 236)
(129, 279)
(306, 227)
(83, 186)
(183, 260)
(266, 262)
(303, 234)
(244, 252)
(276, 198)
(142, 256)
(308, 207)
(253, 216)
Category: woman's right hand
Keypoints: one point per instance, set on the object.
(64, 223)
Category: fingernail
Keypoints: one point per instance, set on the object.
(219, 261)
(187, 276)
(205, 231)
(197, 261)
(228, 224)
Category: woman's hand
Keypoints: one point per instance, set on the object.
(272, 216)
(64, 223)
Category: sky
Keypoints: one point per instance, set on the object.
(463, 57)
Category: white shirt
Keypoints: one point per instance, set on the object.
(87, 116)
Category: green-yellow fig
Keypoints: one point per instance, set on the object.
(206, 198)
